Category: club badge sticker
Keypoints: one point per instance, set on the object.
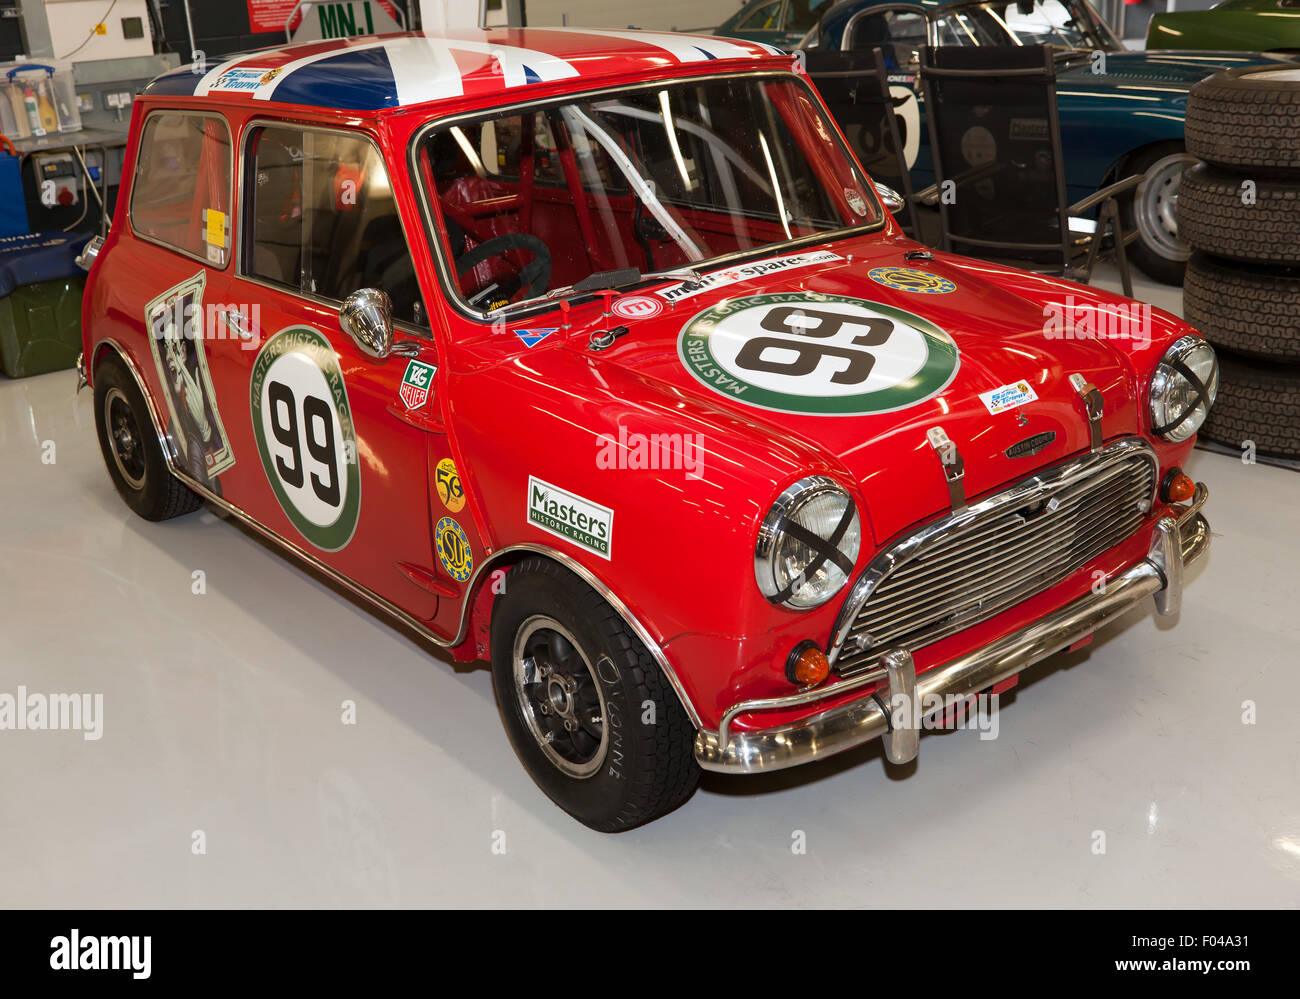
(175, 323)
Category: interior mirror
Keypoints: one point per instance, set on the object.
(890, 198)
(367, 317)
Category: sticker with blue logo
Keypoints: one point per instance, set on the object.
(911, 279)
(244, 79)
(532, 338)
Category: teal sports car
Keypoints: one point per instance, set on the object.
(774, 22)
(1121, 111)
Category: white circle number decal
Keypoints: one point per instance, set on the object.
(303, 427)
(811, 353)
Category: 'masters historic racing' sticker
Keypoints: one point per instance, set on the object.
(803, 352)
(567, 515)
(303, 426)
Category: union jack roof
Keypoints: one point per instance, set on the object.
(372, 73)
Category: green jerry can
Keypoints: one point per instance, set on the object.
(40, 302)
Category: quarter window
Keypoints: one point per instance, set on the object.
(323, 221)
(181, 192)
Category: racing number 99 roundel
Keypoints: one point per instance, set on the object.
(303, 425)
(828, 355)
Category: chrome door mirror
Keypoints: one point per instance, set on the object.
(890, 198)
(367, 317)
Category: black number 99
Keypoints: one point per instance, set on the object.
(316, 418)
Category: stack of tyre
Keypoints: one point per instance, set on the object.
(1240, 210)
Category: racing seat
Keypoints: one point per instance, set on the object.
(995, 138)
(855, 87)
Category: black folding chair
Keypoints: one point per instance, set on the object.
(995, 139)
(855, 87)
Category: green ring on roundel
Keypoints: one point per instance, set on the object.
(329, 535)
(935, 374)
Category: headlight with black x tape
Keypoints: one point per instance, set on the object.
(1183, 389)
(808, 544)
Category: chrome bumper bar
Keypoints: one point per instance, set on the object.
(1175, 543)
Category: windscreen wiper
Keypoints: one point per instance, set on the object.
(611, 280)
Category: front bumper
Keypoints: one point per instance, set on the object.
(1175, 544)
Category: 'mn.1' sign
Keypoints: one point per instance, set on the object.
(345, 20)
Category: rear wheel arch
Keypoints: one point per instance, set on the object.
(107, 348)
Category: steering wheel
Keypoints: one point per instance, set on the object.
(535, 276)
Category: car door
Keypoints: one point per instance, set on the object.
(179, 213)
(341, 437)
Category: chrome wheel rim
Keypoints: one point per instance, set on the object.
(1155, 207)
(124, 438)
(560, 697)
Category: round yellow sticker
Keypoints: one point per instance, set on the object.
(450, 491)
(454, 549)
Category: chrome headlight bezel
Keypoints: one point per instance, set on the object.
(1170, 420)
(773, 578)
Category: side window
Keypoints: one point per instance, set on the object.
(801, 15)
(762, 18)
(180, 195)
(960, 28)
(901, 33)
(322, 219)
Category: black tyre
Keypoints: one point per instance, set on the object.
(1247, 117)
(131, 448)
(573, 685)
(1160, 251)
(1244, 309)
(1256, 402)
(1258, 222)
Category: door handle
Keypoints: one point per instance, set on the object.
(236, 321)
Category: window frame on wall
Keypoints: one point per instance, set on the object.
(251, 130)
(139, 233)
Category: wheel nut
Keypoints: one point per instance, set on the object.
(544, 708)
(570, 685)
(570, 725)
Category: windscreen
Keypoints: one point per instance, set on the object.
(652, 178)
(1067, 25)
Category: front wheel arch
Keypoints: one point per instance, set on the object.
(477, 616)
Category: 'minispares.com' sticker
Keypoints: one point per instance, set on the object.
(746, 272)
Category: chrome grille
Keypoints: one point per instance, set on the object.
(966, 567)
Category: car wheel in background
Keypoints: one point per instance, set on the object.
(1159, 252)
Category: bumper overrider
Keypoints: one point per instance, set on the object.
(1175, 543)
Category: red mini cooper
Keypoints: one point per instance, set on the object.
(596, 355)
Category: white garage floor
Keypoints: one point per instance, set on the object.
(222, 716)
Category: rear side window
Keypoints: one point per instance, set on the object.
(322, 220)
(181, 193)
